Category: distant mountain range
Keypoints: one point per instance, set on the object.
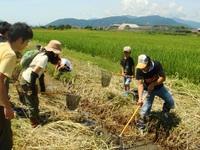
(105, 22)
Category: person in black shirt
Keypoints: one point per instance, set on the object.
(150, 76)
(127, 65)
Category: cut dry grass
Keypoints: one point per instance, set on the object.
(108, 112)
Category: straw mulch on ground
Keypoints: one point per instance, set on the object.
(102, 114)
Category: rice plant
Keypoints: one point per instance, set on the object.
(179, 54)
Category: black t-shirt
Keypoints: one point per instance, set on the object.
(151, 75)
(127, 64)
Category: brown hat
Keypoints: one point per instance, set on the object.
(54, 46)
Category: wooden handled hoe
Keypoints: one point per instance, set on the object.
(138, 107)
(124, 76)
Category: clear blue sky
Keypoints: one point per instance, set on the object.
(41, 12)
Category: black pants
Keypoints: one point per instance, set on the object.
(6, 142)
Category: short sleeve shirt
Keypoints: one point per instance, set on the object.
(151, 76)
(7, 60)
(40, 60)
(127, 64)
(66, 62)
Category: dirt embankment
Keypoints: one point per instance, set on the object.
(102, 114)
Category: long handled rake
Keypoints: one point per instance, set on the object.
(128, 76)
(138, 107)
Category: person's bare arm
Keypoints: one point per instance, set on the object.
(160, 80)
(37, 69)
(140, 91)
(123, 71)
(62, 66)
(9, 114)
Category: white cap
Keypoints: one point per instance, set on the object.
(143, 61)
(127, 49)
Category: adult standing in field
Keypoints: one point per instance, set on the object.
(127, 67)
(41, 79)
(4, 28)
(18, 37)
(41, 82)
(150, 76)
(32, 73)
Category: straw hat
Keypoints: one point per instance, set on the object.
(54, 46)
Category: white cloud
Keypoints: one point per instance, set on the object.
(135, 7)
(155, 6)
(144, 8)
(172, 4)
(179, 9)
(142, 2)
(126, 4)
(109, 12)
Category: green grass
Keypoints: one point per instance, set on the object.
(178, 54)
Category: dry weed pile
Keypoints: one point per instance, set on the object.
(106, 113)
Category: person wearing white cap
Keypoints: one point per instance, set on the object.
(29, 78)
(127, 67)
(150, 76)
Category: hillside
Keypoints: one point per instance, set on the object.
(193, 24)
(105, 22)
(102, 113)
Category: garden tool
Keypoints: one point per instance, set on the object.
(72, 100)
(138, 107)
(105, 78)
(125, 76)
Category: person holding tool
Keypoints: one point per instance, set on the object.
(127, 67)
(29, 78)
(150, 76)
